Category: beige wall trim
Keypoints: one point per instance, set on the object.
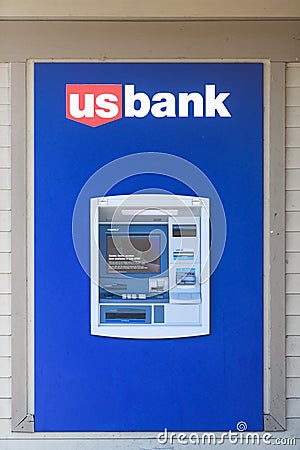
(277, 41)
(274, 248)
(21, 419)
(141, 10)
(274, 253)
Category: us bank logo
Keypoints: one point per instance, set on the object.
(98, 104)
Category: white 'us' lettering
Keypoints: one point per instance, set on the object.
(107, 108)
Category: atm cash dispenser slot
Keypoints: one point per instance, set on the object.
(149, 266)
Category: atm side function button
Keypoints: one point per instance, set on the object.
(142, 296)
(134, 296)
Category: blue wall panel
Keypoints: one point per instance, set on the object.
(90, 383)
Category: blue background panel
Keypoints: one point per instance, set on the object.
(91, 383)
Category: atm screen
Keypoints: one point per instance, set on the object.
(136, 253)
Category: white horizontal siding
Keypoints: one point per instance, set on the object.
(5, 249)
(5, 325)
(5, 427)
(5, 263)
(4, 134)
(293, 346)
(5, 367)
(4, 95)
(5, 387)
(5, 408)
(292, 283)
(292, 262)
(5, 283)
(5, 221)
(5, 115)
(293, 427)
(292, 76)
(292, 241)
(293, 179)
(4, 75)
(5, 348)
(5, 178)
(293, 247)
(5, 241)
(5, 200)
(5, 157)
(293, 305)
(293, 407)
(293, 387)
(292, 116)
(292, 220)
(5, 304)
(293, 366)
(293, 201)
(292, 157)
(292, 325)
(293, 96)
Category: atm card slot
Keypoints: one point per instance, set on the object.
(119, 316)
(125, 315)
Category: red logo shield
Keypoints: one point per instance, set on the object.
(94, 104)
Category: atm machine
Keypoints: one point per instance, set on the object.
(149, 266)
